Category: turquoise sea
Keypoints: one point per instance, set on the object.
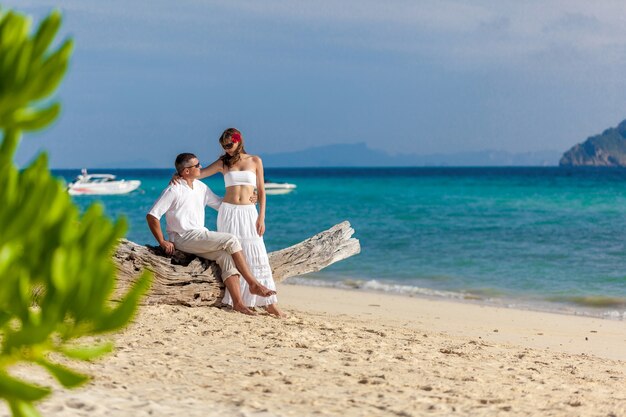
(540, 238)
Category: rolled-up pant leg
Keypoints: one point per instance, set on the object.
(215, 246)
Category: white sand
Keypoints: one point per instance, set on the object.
(351, 353)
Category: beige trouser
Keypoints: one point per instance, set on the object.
(215, 246)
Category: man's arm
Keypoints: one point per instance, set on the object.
(212, 200)
(160, 207)
(155, 227)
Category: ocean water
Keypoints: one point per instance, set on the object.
(541, 238)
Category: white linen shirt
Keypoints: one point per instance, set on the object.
(183, 206)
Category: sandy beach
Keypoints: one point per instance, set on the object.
(353, 353)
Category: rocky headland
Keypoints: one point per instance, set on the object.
(605, 150)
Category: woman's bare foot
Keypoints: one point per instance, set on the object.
(258, 289)
(273, 309)
(240, 308)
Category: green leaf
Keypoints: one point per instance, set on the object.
(15, 34)
(9, 145)
(58, 270)
(23, 409)
(16, 29)
(51, 72)
(58, 204)
(46, 32)
(31, 119)
(11, 387)
(4, 318)
(7, 255)
(67, 377)
(124, 312)
(50, 255)
(29, 334)
(86, 353)
(23, 62)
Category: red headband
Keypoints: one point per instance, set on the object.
(235, 137)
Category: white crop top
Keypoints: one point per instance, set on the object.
(232, 178)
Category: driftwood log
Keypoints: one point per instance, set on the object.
(185, 279)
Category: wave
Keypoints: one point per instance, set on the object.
(593, 306)
(597, 301)
(374, 285)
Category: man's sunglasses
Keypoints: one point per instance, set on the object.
(194, 166)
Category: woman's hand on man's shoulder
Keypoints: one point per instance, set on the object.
(176, 179)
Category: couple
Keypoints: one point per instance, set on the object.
(237, 246)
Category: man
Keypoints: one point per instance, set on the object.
(183, 205)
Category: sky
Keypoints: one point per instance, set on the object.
(151, 78)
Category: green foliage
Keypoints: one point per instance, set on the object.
(46, 246)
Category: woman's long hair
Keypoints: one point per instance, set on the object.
(235, 136)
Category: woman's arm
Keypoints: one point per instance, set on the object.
(260, 187)
(212, 169)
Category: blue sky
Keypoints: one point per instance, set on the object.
(150, 79)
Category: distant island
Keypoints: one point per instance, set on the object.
(360, 155)
(605, 150)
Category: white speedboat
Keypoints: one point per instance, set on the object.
(274, 188)
(100, 184)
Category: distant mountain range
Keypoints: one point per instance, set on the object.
(607, 149)
(358, 154)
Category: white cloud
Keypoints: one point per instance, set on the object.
(478, 32)
(549, 35)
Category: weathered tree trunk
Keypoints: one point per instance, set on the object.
(188, 280)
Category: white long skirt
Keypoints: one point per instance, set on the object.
(240, 220)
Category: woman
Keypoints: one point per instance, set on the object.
(237, 215)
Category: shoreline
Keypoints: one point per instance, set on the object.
(352, 354)
(563, 332)
(525, 304)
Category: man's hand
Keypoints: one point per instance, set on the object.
(254, 198)
(168, 247)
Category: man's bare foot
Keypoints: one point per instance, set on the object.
(243, 310)
(273, 309)
(258, 289)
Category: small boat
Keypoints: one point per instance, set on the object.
(273, 188)
(100, 184)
